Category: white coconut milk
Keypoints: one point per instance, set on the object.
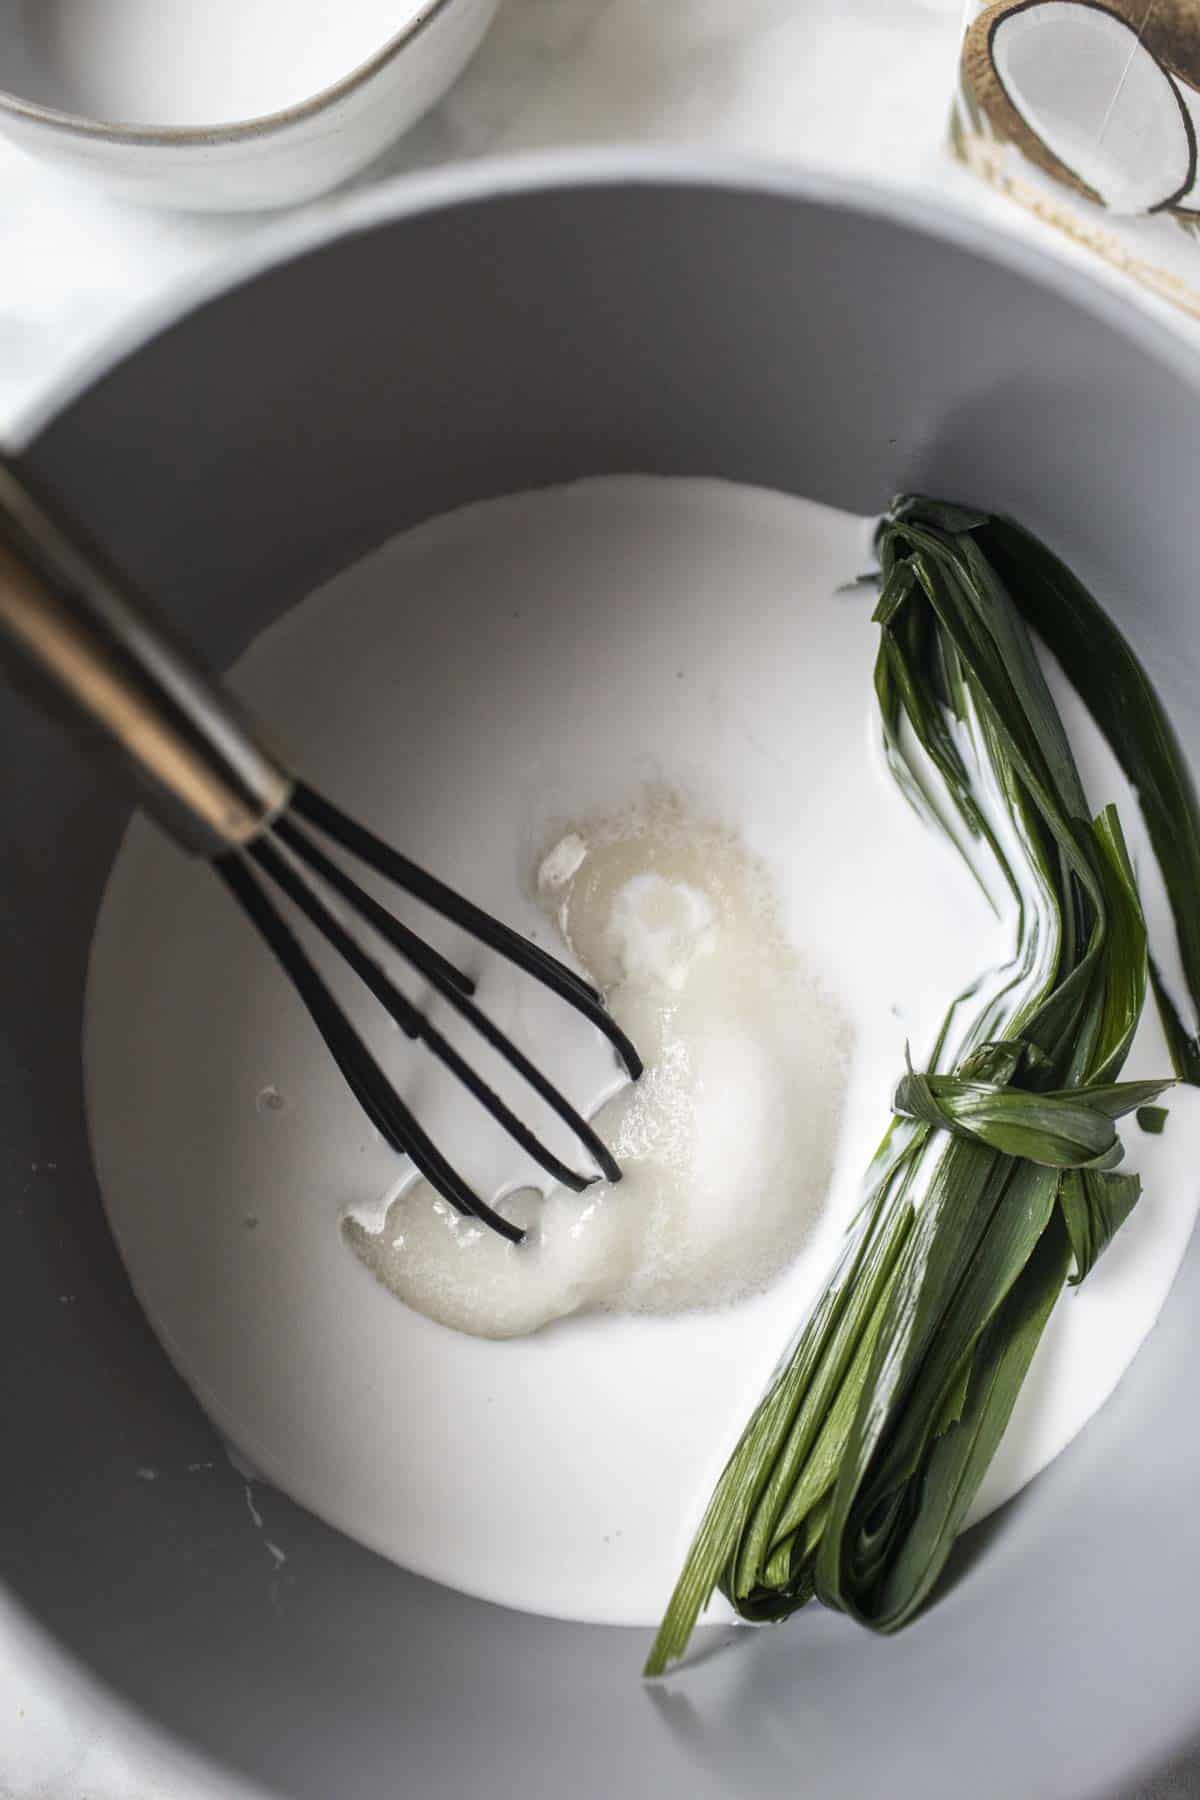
(484, 691)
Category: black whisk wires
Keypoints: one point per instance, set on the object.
(283, 855)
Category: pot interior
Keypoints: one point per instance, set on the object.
(428, 358)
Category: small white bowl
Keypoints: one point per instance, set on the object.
(235, 104)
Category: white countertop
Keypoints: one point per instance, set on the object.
(860, 86)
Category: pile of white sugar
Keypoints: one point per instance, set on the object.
(727, 1142)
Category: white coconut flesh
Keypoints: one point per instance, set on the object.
(1098, 99)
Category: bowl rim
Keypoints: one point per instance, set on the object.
(924, 211)
(234, 131)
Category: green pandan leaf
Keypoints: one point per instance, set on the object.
(859, 1465)
(1094, 1207)
(1071, 1128)
(1118, 693)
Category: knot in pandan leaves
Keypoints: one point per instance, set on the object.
(1062, 1128)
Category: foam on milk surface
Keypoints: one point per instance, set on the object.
(726, 1144)
(623, 634)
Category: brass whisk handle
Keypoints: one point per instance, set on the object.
(74, 624)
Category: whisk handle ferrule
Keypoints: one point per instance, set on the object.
(74, 627)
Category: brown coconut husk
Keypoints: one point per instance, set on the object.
(1170, 29)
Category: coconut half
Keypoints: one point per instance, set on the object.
(1072, 85)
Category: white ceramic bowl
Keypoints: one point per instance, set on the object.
(234, 105)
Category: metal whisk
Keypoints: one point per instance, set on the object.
(76, 630)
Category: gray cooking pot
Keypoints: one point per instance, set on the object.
(433, 344)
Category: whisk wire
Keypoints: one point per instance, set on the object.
(436, 968)
(454, 993)
(366, 1080)
(398, 1007)
(396, 868)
